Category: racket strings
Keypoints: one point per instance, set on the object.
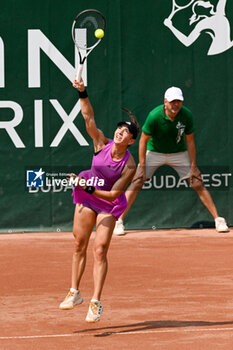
(85, 27)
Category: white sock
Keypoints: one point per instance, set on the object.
(74, 290)
(120, 221)
(95, 301)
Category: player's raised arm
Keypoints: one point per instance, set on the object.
(88, 114)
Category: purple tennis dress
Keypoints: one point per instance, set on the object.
(103, 167)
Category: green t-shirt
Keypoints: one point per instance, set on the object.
(168, 136)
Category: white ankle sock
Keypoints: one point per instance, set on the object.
(74, 290)
(95, 300)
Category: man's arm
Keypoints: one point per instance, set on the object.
(141, 171)
(191, 149)
(194, 171)
(142, 148)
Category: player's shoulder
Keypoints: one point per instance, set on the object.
(131, 161)
(130, 167)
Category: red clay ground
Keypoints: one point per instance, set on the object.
(166, 290)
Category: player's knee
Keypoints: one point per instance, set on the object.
(79, 246)
(100, 253)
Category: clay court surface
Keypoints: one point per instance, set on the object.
(165, 289)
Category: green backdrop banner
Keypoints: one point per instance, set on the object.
(146, 49)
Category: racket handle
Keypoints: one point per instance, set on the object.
(78, 75)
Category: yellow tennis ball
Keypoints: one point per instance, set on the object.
(99, 33)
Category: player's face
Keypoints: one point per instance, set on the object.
(122, 136)
(173, 107)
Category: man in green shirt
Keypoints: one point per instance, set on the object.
(167, 138)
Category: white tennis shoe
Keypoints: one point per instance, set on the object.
(220, 225)
(119, 229)
(71, 300)
(94, 311)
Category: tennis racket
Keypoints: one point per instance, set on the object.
(178, 7)
(87, 22)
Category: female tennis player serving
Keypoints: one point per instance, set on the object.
(100, 205)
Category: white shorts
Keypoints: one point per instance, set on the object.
(179, 161)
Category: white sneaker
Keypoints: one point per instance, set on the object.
(220, 225)
(71, 300)
(94, 311)
(119, 229)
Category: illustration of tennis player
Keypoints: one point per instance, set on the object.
(212, 22)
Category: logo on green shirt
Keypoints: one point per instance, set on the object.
(181, 128)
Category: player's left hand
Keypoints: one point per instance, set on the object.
(72, 175)
(82, 183)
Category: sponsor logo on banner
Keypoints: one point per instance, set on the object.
(57, 181)
(213, 178)
(203, 17)
(35, 178)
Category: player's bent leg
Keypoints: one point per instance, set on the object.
(131, 195)
(104, 228)
(153, 161)
(84, 221)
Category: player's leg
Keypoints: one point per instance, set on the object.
(104, 228)
(84, 221)
(153, 161)
(131, 195)
(132, 191)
